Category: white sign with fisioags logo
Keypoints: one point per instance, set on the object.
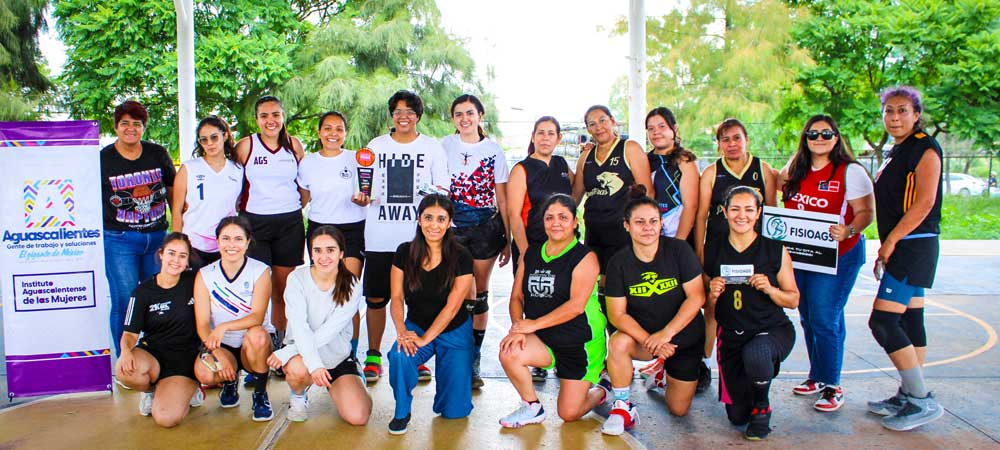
(806, 235)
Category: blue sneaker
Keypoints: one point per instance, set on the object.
(229, 396)
(261, 407)
(248, 380)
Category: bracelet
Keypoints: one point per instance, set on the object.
(852, 231)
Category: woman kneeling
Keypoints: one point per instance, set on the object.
(161, 309)
(557, 320)
(320, 306)
(432, 274)
(751, 281)
(655, 295)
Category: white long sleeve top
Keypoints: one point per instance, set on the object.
(318, 328)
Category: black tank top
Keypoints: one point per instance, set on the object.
(546, 286)
(606, 184)
(542, 181)
(666, 181)
(741, 307)
(896, 185)
(752, 176)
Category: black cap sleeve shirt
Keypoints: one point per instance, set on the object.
(165, 317)
(547, 284)
(424, 305)
(134, 193)
(915, 257)
(542, 181)
(741, 307)
(655, 290)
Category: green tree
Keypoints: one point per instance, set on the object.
(355, 61)
(949, 50)
(126, 50)
(723, 58)
(23, 81)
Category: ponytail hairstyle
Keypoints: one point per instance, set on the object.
(603, 109)
(420, 250)
(541, 120)
(176, 236)
(326, 115)
(725, 126)
(284, 140)
(239, 221)
(343, 285)
(679, 153)
(568, 203)
(757, 197)
(802, 161)
(479, 107)
(228, 143)
(638, 202)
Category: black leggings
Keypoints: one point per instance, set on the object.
(761, 356)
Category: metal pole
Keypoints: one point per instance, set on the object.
(637, 71)
(186, 112)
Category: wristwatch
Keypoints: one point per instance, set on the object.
(852, 231)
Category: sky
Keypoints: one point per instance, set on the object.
(549, 57)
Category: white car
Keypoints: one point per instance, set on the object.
(962, 184)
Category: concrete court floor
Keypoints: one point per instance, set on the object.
(962, 370)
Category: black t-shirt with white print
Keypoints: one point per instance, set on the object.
(165, 317)
(134, 193)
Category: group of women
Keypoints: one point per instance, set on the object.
(670, 278)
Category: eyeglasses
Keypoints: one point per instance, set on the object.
(404, 113)
(812, 135)
(213, 138)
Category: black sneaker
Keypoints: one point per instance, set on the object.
(398, 426)
(276, 345)
(538, 374)
(704, 378)
(760, 423)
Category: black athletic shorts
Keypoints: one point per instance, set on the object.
(378, 266)
(201, 259)
(484, 241)
(605, 239)
(173, 362)
(686, 361)
(237, 352)
(278, 239)
(354, 234)
(349, 366)
(579, 362)
(734, 384)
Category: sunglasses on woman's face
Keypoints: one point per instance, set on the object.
(812, 135)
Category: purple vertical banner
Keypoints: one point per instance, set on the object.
(52, 282)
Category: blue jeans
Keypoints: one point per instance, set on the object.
(129, 257)
(453, 374)
(822, 299)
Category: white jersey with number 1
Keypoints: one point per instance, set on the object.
(211, 196)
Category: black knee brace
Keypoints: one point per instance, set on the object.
(913, 325)
(376, 305)
(887, 329)
(482, 304)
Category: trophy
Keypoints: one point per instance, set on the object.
(365, 158)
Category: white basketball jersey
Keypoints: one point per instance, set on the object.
(211, 196)
(270, 178)
(232, 299)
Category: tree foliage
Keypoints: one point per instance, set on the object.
(354, 62)
(949, 50)
(715, 59)
(127, 50)
(23, 81)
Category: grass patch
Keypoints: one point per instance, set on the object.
(964, 218)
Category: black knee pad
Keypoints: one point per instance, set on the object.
(376, 305)
(913, 325)
(482, 303)
(887, 329)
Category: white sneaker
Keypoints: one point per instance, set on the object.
(198, 398)
(656, 380)
(298, 407)
(527, 414)
(146, 403)
(623, 417)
